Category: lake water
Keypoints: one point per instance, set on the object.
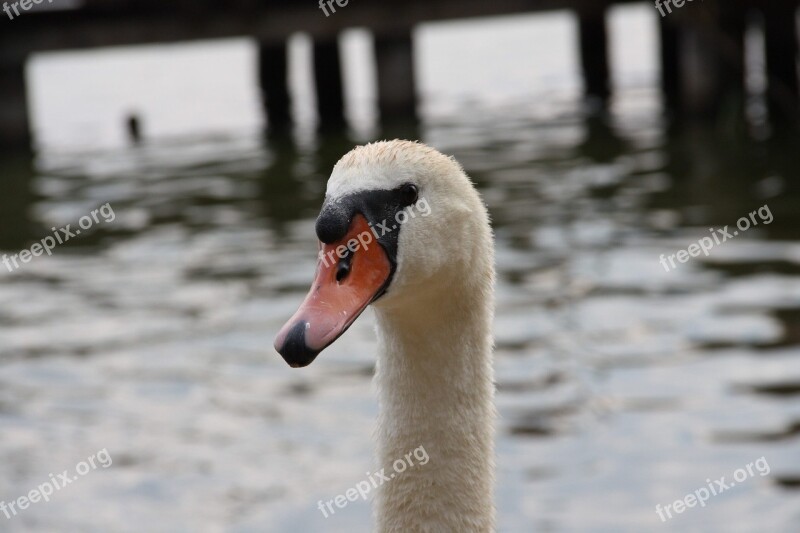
(621, 385)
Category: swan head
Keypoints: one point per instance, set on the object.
(401, 226)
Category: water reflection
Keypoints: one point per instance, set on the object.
(620, 385)
(16, 198)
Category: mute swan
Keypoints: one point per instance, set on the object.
(430, 281)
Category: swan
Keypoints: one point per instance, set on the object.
(428, 273)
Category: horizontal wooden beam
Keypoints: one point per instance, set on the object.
(120, 22)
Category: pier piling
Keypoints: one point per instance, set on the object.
(14, 126)
(593, 44)
(671, 68)
(395, 66)
(328, 80)
(274, 77)
(780, 34)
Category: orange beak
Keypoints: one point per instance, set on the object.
(351, 273)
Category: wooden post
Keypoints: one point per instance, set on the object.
(702, 60)
(730, 63)
(594, 51)
(14, 127)
(396, 87)
(328, 78)
(780, 33)
(701, 41)
(671, 72)
(16, 201)
(273, 76)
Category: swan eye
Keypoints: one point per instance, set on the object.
(409, 194)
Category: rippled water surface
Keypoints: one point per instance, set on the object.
(621, 386)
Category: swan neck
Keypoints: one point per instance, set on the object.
(436, 390)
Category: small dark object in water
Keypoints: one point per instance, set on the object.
(134, 128)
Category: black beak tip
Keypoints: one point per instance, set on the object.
(294, 350)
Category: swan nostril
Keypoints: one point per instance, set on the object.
(342, 270)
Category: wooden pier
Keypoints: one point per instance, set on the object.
(702, 47)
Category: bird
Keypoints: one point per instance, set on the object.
(403, 230)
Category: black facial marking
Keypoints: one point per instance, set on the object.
(379, 207)
(333, 221)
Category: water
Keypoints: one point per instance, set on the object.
(621, 386)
